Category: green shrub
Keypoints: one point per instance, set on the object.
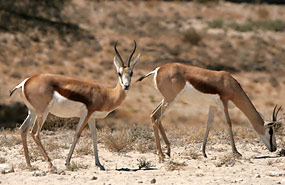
(216, 23)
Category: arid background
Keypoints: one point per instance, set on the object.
(76, 38)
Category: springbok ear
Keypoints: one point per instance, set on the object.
(135, 61)
(117, 64)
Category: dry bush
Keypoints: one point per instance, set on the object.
(191, 36)
(132, 138)
(118, 140)
(173, 165)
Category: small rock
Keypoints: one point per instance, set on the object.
(257, 176)
(153, 181)
(60, 172)
(140, 182)
(39, 173)
(276, 174)
(239, 180)
(94, 178)
(6, 168)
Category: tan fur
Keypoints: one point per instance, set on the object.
(39, 90)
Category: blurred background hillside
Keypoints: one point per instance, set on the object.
(76, 38)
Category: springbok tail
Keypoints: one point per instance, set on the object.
(12, 91)
(148, 74)
(17, 87)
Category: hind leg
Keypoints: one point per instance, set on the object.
(29, 121)
(41, 117)
(156, 123)
(211, 114)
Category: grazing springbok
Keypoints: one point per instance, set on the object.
(70, 97)
(196, 85)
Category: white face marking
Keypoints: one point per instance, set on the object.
(65, 108)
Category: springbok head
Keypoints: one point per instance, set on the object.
(125, 72)
(269, 137)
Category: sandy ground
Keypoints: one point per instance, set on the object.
(219, 168)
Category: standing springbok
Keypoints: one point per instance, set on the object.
(196, 85)
(69, 97)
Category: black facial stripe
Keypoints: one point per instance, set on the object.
(271, 136)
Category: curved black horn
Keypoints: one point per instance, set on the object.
(118, 54)
(131, 55)
(273, 115)
(277, 113)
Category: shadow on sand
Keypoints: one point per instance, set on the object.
(135, 169)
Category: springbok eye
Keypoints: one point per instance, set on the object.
(120, 74)
(131, 74)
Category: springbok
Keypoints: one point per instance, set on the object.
(196, 85)
(70, 97)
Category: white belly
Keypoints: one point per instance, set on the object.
(65, 108)
(192, 96)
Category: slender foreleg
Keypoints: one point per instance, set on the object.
(211, 115)
(229, 126)
(92, 126)
(82, 123)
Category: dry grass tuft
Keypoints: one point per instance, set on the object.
(226, 160)
(124, 140)
(9, 139)
(2, 160)
(192, 37)
(74, 166)
(117, 140)
(84, 147)
(191, 154)
(144, 164)
(173, 165)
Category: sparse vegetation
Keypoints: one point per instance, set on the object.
(117, 141)
(270, 25)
